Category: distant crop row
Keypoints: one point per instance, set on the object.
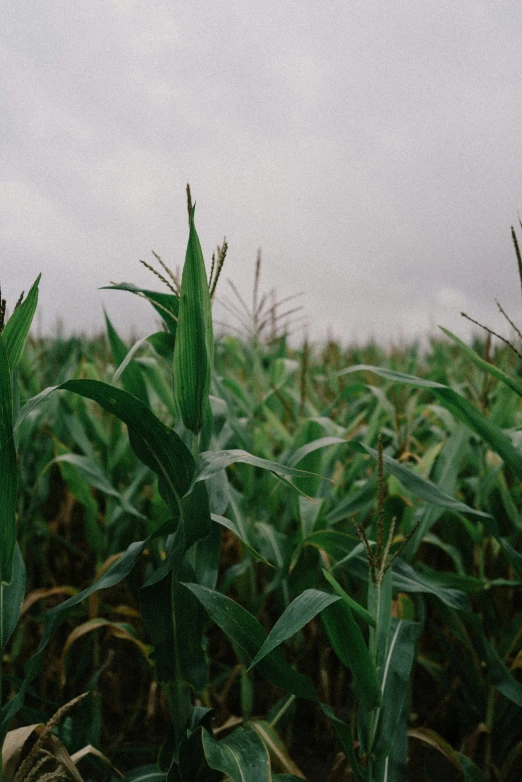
(225, 558)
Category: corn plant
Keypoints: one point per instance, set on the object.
(192, 484)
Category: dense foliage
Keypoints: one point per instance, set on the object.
(295, 563)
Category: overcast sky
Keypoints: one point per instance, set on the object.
(373, 150)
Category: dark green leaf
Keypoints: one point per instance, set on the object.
(248, 636)
(11, 598)
(131, 376)
(350, 647)
(17, 327)
(242, 755)
(395, 677)
(166, 304)
(300, 611)
(8, 472)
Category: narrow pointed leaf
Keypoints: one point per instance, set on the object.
(300, 611)
(159, 447)
(17, 327)
(500, 677)
(315, 445)
(356, 607)
(232, 526)
(248, 636)
(211, 462)
(131, 377)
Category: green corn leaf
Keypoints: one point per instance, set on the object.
(459, 407)
(485, 365)
(17, 327)
(300, 611)
(115, 573)
(177, 651)
(407, 579)
(241, 755)
(211, 462)
(165, 304)
(194, 347)
(394, 767)
(8, 472)
(500, 677)
(95, 477)
(232, 526)
(359, 501)
(131, 377)
(380, 606)
(158, 446)
(421, 487)
(11, 599)
(315, 445)
(395, 676)
(447, 468)
(356, 607)
(350, 647)
(248, 636)
(337, 545)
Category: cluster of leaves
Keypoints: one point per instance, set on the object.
(371, 609)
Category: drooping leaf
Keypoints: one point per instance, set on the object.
(310, 447)
(211, 462)
(500, 677)
(158, 446)
(117, 571)
(407, 579)
(165, 304)
(232, 526)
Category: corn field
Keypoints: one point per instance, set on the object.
(226, 558)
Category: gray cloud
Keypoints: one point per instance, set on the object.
(372, 150)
